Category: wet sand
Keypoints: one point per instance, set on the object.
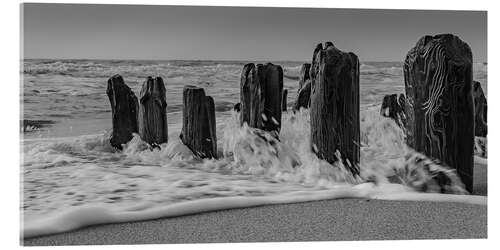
(329, 220)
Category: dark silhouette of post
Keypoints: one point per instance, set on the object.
(198, 126)
(304, 74)
(237, 107)
(153, 127)
(393, 108)
(480, 110)
(335, 105)
(439, 104)
(303, 99)
(283, 99)
(124, 113)
(260, 95)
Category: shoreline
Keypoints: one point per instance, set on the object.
(181, 211)
(326, 220)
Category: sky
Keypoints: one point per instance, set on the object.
(75, 31)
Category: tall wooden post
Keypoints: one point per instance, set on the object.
(439, 105)
(260, 95)
(124, 107)
(335, 105)
(198, 127)
(153, 127)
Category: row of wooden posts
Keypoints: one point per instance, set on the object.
(437, 114)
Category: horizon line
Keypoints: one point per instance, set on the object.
(223, 60)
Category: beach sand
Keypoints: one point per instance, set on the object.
(329, 220)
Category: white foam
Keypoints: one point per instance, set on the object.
(83, 181)
(86, 216)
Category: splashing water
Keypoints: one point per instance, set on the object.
(60, 176)
(70, 182)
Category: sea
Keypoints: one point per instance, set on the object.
(71, 176)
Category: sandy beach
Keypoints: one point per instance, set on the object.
(331, 220)
(328, 220)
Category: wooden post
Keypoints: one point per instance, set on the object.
(439, 105)
(198, 127)
(480, 108)
(123, 111)
(153, 127)
(283, 99)
(304, 74)
(393, 108)
(303, 99)
(335, 105)
(303, 96)
(237, 107)
(260, 94)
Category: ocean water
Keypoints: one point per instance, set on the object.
(72, 177)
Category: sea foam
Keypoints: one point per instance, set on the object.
(69, 183)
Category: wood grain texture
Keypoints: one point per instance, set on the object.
(335, 105)
(124, 112)
(439, 104)
(480, 110)
(260, 96)
(198, 126)
(153, 127)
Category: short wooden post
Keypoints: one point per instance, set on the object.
(304, 74)
(283, 99)
(390, 106)
(480, 110)
(335, 105)
(153, 127)
(198, 127)
(393, 107)
(303, 99)
(124, 113)
(439, 104)
(260, 94)
(237, 107)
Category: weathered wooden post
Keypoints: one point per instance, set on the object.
(304, 74)
(123, 111)
(335, 105)
(198, 127)
(153, 127)
(393, 108)
(283, 99)
(237, 107)
(480, 108)
(303, 99)
(260, 94)
(439, 105)
(390, 106)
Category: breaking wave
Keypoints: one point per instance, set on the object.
(80, 181)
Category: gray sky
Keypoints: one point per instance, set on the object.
(236, 33)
